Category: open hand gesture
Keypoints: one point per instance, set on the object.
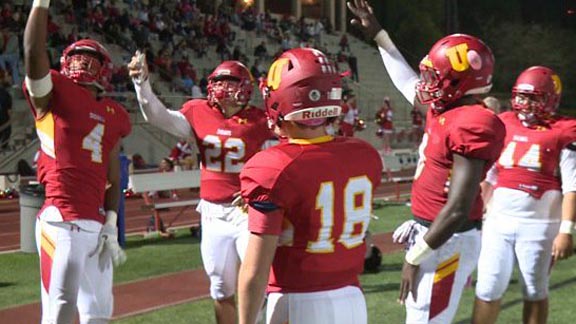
(365, 19)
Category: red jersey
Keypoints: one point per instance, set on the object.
(384, 118)
(531, 156)
(76, 138)
(323, 188)
(225, 144)
(471, 131)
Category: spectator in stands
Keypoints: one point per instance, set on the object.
(385, 130)
(236, 54)
(165, 165)
(353, 64)
(349, 114)
(316, 32)
(260, 51)
(5, 110)
(197, 91)
(344, 46)
(138, 162)
(286, 42)
(11, 55)
(181, 150)
(417, 126)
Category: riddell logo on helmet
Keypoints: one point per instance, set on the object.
(320, 113)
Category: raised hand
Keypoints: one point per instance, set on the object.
(138, 68)
(365, 19)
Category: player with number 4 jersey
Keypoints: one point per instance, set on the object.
(80, 131)
(228, 132)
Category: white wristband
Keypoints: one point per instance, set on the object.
(41, 3)
(39, 88)
(566, 227)
(418, 252)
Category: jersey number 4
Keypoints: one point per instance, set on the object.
(93, 142)
(356, 215)
(531, 159)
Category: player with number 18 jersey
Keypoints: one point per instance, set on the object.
(327, 209)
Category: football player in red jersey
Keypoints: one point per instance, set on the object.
(461, 142)
(528, 219)
(228, 132)
(80, 134)
(310, 201)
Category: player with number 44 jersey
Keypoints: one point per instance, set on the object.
(532, 194)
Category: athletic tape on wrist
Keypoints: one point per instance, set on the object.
(39, 88)
(566, 227)
(41, 3)
(417, 253)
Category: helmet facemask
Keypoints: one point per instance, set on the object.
(429, 90)
(87, 62)
(84, 65)
(530, 107)
(226, 92)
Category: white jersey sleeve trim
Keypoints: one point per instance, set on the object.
(400, 72)
(156, 113)
(568, 170)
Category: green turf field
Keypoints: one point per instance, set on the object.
(19, 280)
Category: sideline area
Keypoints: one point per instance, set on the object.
(151, 294)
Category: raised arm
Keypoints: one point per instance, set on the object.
(36, 62)
(401, 74)
(153, 110)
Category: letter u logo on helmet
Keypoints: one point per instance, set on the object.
(87, 62)
(302, 86)
(457, 65)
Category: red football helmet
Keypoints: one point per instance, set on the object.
(302, 86)
(536, 94)
(457, 65)
(230, 81)
(87, 62)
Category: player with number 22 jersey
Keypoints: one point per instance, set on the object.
(225, 144)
